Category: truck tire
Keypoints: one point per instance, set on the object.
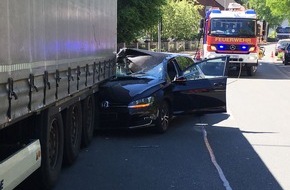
(51, 139)
(286, 62)
(251, 70)
(88, 106)
(72, 133)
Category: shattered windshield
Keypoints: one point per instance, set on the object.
(233, 27)
(139, 66)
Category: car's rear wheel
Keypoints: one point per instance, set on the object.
(162, 122)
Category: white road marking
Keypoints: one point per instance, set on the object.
(212, 156)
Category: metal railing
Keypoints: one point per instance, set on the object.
(174, 46)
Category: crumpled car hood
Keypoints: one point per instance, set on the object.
(125, 91)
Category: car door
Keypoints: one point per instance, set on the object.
(202, 87)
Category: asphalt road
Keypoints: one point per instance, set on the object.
(246, 148)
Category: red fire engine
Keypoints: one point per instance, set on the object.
(234, 32)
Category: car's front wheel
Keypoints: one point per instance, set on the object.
(162, 121)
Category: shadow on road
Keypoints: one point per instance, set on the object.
(266, 70)
(178, 159)
(242, 166)
(240, 163)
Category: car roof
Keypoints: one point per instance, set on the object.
(149, 56)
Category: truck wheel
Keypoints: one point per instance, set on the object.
(51, 138)
(88, 120)
(72, 133)
(286, 62)
(251, 70)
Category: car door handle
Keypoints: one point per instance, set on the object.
(219, 84)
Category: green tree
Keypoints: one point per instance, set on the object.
(265, 11)
(279, 8)
(135, 16)
(180, 19)
(242, 2)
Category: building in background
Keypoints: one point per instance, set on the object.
(221, 4)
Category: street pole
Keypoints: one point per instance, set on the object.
(225, 5)
(159, 37)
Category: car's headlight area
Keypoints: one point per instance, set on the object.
(142, 103)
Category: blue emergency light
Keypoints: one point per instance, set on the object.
(244, 48)
(221, 47)
(216, 11)
(250, 11)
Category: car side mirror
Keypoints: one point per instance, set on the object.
(201, 23)
(179, 79)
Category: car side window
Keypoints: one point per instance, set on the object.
(193, 73)
(288, 48)
(183, 62)
(215, 67)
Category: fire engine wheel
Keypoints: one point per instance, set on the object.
(88, 120)
(251, 70)
(51, 138)
(286, 61)
(72, 133)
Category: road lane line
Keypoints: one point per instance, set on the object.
(213, 159)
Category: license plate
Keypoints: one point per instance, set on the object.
(235, 56)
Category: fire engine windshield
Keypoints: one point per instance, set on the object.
(232, 27)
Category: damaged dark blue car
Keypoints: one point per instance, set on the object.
(151, 87)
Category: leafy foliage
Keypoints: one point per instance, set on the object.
(180, 20)
(135, 16)
(265, 11)
(279, 8)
